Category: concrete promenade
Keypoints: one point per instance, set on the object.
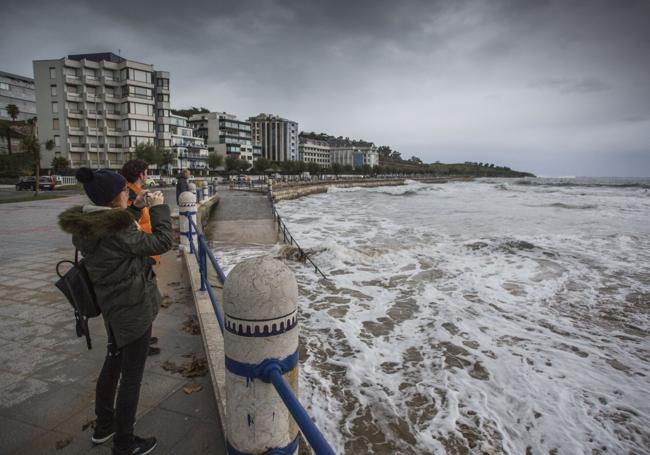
(47, 375)
(242, 217)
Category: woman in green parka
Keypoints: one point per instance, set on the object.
(118, 260)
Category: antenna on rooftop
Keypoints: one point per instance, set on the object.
(119, 52)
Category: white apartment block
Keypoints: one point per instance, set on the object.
(225, 135)
(98, 107)
(355, 156)
(315, 151)
(278, 137)
(189, 151)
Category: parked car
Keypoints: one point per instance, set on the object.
(28, 183)
(151, 182)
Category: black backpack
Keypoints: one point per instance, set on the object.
(78, 289)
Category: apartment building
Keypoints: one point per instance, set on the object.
(18, 90)
(225, 135)
(355, 156)
(189, 151)
(315, 151)
(277, 136)
(98, 107)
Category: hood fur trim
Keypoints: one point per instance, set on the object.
(94, 224)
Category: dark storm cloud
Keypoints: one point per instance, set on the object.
(510, 82)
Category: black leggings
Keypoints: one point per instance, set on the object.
(127, 363)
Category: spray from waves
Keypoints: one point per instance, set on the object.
(641, 183)
(563, 205)
(409, 189)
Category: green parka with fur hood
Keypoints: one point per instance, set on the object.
(117, 258)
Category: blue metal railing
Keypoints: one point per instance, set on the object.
(273, 369)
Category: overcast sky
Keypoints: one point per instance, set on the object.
(553, 87)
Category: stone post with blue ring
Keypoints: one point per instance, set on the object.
(186, 206)
(260, 303)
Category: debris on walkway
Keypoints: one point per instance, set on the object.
(194, 368)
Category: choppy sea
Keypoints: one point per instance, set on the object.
(494, 316)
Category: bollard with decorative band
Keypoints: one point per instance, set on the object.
(191, 187)
(261, 338)
(186, 206)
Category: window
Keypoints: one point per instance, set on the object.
(57, 141)
(164, 113)
(140, 108)
(4, 86)
(53, 90)
(139, 75)
(74, 123)
(55, 107)
(55, 123)
(163, 83)
(52, 72)
(163, 97)
(138, 92)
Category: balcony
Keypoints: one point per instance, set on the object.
(72, 96)
(112, 114)
(80, 147)
(92, 80)
(74, 113)
(111, 81)
(72, 79)
(93, 113)
(114, 131)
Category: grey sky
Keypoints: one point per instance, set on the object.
(554, 87)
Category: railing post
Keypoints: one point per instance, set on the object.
(261, 324)
(186, 207)
(205, 190)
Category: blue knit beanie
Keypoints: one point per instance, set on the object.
(101, 186)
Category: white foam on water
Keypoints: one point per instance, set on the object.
(464, 317)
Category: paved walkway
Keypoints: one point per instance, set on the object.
(47, 376)
(242, 217)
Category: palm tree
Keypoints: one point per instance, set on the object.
(13, 112)
(31, 145)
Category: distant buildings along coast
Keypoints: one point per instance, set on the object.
(97, 108)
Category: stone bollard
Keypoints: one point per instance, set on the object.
(205, 190)
(260, 304)
(191, 187)
(186, 205)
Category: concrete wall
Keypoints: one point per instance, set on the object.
(285, 191)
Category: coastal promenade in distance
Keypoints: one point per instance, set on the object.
(47, 375)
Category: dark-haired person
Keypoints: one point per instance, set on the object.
(117, 257)
(136, 172)
(183, 184)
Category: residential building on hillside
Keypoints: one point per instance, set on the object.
(355, 156)
(315, 151)
(98, 107)
(225, 135)
(189, 151)
(277, 136)
(18, 90)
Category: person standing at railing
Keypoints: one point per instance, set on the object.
(117, 257)
(136, 172)
(182, 185)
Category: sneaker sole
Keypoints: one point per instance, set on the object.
(102, 440)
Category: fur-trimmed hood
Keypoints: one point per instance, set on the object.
(92, 223)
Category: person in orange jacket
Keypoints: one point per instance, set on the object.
(135, 173)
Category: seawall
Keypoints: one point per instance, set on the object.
(293, 190)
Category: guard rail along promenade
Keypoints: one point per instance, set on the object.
(251, 337)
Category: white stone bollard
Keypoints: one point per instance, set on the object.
(260, 304)
(205, 190)
(191, 187)
(186, 205)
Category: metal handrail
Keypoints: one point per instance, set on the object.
(273, 371)
(287, 235)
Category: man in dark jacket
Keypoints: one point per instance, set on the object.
(117, 256)
(183, 183)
